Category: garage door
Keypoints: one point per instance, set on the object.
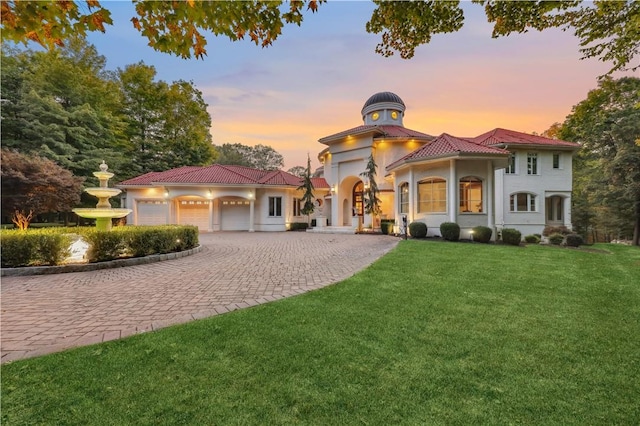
(234, 215)
(152, 212)
(194, 213)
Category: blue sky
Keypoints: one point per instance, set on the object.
(313, 81)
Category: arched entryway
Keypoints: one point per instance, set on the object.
(555, 210)
(358, 199)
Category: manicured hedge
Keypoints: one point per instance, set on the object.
(298, 226)
(51, 246)
(511, 236)
(482, 234)
(450, 231)
(33, 247)
(386, 226)
(556, 239)
(573, 240)
(532, 239)
(418, 229)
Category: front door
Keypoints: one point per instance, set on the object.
(555, 211)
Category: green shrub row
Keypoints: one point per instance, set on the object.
(482, 234)
(532, 239)
(556, 238)
(386, 226)
(34, 247)
(298, 226)
(450, 231)
(418, 229)
(51, 246)
(511, 236)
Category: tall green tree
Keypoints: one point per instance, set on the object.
(261, 157)
(167, 124)
(371, 192)
(607, 173)
(63, 105)
(307, 197)
(33, 185)
(607, 30)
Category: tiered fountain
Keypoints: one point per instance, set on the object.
(103, 212)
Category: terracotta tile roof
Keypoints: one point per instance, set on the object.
(500, 136)
(383, 131)
(222, 175)
(319, 183)
(446, 145)
(403, 132)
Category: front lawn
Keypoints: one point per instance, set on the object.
(433, 333)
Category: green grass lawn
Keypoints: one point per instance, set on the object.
(433, 333)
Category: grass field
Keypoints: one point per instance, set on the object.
(433, 333)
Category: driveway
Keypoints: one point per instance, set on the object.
(49, 313)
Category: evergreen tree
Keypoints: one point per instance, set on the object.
(307, 198)
(371, 193)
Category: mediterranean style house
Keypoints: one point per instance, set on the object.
(500, 179)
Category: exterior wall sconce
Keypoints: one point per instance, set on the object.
(250, 196)
(334, 189)
(210, 195)
(166, 193)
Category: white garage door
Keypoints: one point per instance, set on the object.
(194, 213)
(234, 215)
(152, 212)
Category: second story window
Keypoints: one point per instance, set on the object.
(556, 161)
(511, 167)
(532, 163)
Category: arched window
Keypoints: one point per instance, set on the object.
(358, 205)
(404, 198)
(470, 195)
(432, 196)
(522, 202)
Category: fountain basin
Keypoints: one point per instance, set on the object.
(96, 213)
(103, 192)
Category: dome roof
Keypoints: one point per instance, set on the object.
(383, 97)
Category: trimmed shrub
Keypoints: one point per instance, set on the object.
(34, 247)
(450, 231)
(105, 246)
(532, 239)
(511, 236)
(573, 240)
(549, 230)
(482, 234)
(298, 226)
(418, 229)
(386, 226)
(556, 239)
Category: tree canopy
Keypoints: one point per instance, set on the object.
(259, 157)
(607, 30)
(65, 106)
(33, 185)
(607, 172)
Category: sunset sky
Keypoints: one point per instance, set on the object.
(315, 78)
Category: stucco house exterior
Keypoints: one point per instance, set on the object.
(219, 198)
(500, 179)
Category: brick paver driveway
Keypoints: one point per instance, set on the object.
(47, 313)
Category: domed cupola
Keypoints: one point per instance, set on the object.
(383, 108)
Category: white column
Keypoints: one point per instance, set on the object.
(135, 212)
(452, 187)
(567, 211)
(169, 202)
(499, 196)
(210, 216)
(489, 196)
(336, 206)
(413, 191)
(217, 214)
(251, 211)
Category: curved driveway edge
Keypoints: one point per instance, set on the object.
(48, 313)
(83, 267)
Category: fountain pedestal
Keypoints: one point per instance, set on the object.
(103, 212)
